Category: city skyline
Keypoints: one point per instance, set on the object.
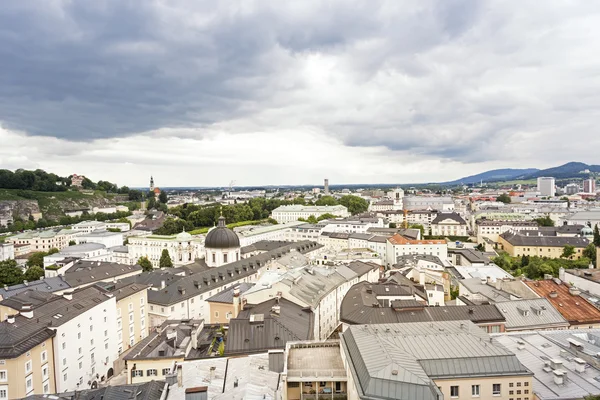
(292, 93)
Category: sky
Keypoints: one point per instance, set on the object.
(202, 93)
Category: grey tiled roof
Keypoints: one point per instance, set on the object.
(264, 245)
(401, 361)
(521, 239)
(205, 281)
(42, 285)
(226, 296)
(31, 297)
(85, 272)
(444, 216)
(152, 390)
(292, 324)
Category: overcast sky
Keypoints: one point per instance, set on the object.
(201, 93)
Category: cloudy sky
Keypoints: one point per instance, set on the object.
(201, 92)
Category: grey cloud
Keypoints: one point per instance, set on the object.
(454, 79)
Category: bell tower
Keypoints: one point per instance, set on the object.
(151, 184)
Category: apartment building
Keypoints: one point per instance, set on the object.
(523, 244)
(44, 240)
(7, 251)
(292, 213)
(399, 245)
(83, 345)
(491, 229)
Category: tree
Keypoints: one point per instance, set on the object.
(165, 260)
(221, 348)
(354, 204)
(596, 236)
(36, 259)
(327, 201)
(162, 197)
(72, 243)
(545, 221)
(419, 227)
(590, 252)
(504, 198)
(145, 264)
(311, 219)
(392, 225)
(33, 273)
(568, 251)
(10, 274)
(326, 216)
(151, 203)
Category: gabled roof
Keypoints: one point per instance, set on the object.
(226, 296)
(448, 216)
(398, 239)
(531, 314)
(84, 272)
(54, 284)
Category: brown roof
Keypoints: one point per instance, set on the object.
(575, 309)
(399, 239)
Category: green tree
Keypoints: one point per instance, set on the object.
(354, 204)
(151, 203)
(10, 274)
(568, 251)
(145, 264)
(311, 219)
(326, 201)
(504, 198)
(590, 252)
(72, 243)
(392, 225)
(36, 259)
(596, 236)
(165, 260)
(33, 273)
(326, 216)
(419, 227)
(221, 349)
(162, 197)
(545, 221)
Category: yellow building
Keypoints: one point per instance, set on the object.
(526, 243)
(26, 361)
(226, 304)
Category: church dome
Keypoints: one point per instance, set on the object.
(183, 236)
(221, 237)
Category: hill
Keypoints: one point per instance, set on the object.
(494, 175)
(568, 170)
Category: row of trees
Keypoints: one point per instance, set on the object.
(11, 274)
(164, 262)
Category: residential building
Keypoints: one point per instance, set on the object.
(421, 217)
(491, 229)
(153, 390)
(469, 257)
(87, 251)
(399, 245)
(531, 315)
(183, 248)
(546, 186)
(44, 240)
(55, 285)
(521, 244)
(82, 273)
(83, 346)
(589, 186)
(320, 289)
(429, 360)
(7, 251)
(449, 224)
(132, 313)
(107, 238)
(155, 357)
(567, 300)
(88, 226)
(226, 304)
(292, 213)
(313, 370)
(379, 304)
(269, 325)
(355, 224)
(179, 298)
(304, 232)
(589, 218)
(563, 362)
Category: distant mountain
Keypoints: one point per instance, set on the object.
(495, 175)
(568, 170)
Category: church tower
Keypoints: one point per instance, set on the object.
(151, 184)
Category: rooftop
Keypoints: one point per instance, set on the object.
(314, 359)
(531, 314)
(522, 239)
(441, 217)
(226, 296)
(400, 361)
(171, 340)
(398, 239)
(42, 285)
(83, 272)
(573, 307)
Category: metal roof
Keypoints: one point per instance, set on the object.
(400, 361)
(522, 239)
(531, 314)
(226, 296)
(54, 284)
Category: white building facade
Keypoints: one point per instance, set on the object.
(292, 213)
(183, 248)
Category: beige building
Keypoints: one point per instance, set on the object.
(26, 362)
(44, 240)
(524, 244)
(226, 305)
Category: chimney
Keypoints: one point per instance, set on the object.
(579, 365)
(68, 295)
(276, 310)
(553, 294)
(25, 282)
(558, 377)
(488, 279)
(162, 284)
(236, 304)
(498, 284)
(10, 319)
(26, 311)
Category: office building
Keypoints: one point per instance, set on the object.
(546, 186)
(589, 186)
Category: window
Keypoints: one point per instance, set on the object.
(78, 335)
(92, 342)
(92, 357)
(131, 330)
(173, 308)
(525, 383)
(526, 391)
(28, 384)
(104, 319)
(151, 308)
(28, 367)
(142, 311)
(166, 371)
(64, 377)
(3, 376)
(91, 328)
(93, 370)
(453, 391)
(141, 301)
(151, 372)
(45, 372)
(130, 306)
(137, 372)
(3, 393)
(511, 384)
(475, 390)
(46, 389)
(216, 314)
(214, 257)
(118, 312)
(80, 365)
(119, 324)
(64, 345)
(143, 323)
(105, 333)
(496, 389)
(105, 346)
(518, 384)
(64, 361)
(225, 258)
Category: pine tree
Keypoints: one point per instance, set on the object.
(165, 259)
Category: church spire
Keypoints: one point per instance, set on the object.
(151, 183)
